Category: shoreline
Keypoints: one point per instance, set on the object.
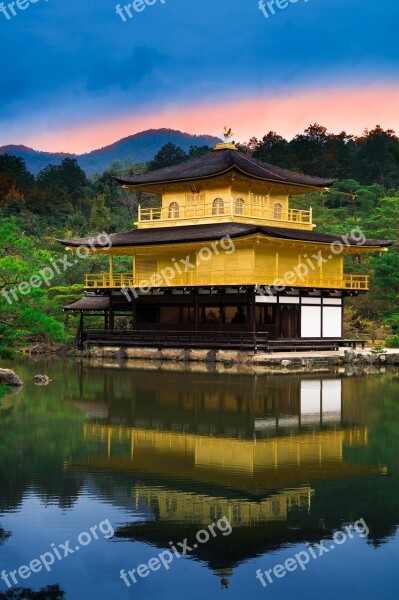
(222, 360)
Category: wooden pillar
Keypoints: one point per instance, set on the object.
(111, 270)
(196, 313)
(134, 314)
(252, 315)
(111, 315)
(278, 320)
(79, 334)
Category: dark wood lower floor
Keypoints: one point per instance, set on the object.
(244, 318)
(211, 340)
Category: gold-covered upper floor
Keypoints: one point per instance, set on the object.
(221, 206)
(224, 185)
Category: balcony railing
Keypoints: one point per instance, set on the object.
(256, 211)
(107, 280)
(226, 278)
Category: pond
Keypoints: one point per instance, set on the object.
(155, 482)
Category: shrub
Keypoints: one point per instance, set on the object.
(6, 353)
(392, 342)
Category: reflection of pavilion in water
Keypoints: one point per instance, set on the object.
(198, 447)
(214, 404)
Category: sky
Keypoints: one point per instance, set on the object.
(76, 75)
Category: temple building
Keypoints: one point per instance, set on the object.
(223, 261)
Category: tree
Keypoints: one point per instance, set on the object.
(378, 157)
(100, 217)
(273, 149)
(386, 275)
(13, 172)
(23, 307)
(50, 592)
(168, 155)
(196, 151)
(14, 201)
(66, 186)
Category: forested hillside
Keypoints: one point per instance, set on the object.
(141, 146)
(61, 202)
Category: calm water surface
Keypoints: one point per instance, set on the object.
(158, 455)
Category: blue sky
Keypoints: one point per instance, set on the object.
(72, 63)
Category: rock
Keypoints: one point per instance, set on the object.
(285, 363)
(210, 356)
(9, 377)
(393, 359)
(349, 356)
(41, 379)
(122, 354)
(41, 349)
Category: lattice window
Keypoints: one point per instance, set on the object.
(174, 210)
(239, 206)
(218, 206)
(278, 209)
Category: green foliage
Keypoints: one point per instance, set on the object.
(100, 216)
(370, 158)
(24, 316)
(378, 350)
(3, 390)
(168, 155)
(41, 325)
(196, 151)
(6, 353)
(392, 342)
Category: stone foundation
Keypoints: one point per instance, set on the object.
(287, 362)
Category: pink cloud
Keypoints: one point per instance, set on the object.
(349, 108)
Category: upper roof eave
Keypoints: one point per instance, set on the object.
(218, 163)
(233, 168)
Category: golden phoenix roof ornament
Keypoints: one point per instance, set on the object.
(228, 133)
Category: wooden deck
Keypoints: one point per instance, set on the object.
(233, 340)
(213, 340)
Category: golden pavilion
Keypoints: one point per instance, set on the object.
(223, 262)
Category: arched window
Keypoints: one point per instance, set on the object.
(277, 211)
(239, 206)
(173, 212)
(218, 207)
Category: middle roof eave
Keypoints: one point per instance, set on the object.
(214, 231)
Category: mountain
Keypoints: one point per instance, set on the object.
(140, 147)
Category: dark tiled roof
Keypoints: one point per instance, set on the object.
(214, 231)
(89, 303)
(223, 161)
